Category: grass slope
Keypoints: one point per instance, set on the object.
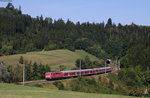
(18, 91)
(53, 58)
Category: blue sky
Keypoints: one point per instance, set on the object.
(123, 11)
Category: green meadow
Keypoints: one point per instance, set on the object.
(19, 91)
(54, 58)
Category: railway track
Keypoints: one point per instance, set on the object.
(43, 81)
(52, 81)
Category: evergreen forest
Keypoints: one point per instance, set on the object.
(20, 33)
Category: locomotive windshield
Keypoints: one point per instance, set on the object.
(47, 74)
(56, 73)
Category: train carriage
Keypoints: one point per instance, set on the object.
(75, 73)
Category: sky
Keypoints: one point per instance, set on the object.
(120, 11)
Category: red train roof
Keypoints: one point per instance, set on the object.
(85, 69)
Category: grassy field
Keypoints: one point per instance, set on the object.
(53, 58)
(18, 91)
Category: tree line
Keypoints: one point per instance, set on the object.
(14, 74)
(86, 63)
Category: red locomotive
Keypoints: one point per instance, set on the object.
(75, 73)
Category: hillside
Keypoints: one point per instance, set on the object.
(101, 84)
(53, 58)
(16, 91)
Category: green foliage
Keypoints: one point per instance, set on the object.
(21, 60)
(124, 62)
(41, 70)
(79, 63)
(62, 67)
(131, 77)
(10, 6)
(83, 43)
(87, 85)
(35, 71)
(47, 68)
(146, 76)
(20, 91)
(22, 33)
(16, 73)
(4, 74)
(114, 48)
(32, 72)
(109, 23)
(51, 47)
(138, 54)
(93, 85)
(86, 63)
(133, 81)
(98, 51)
(28, 72)
(136, 92)
(59, 85)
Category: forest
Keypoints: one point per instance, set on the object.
(20, 33)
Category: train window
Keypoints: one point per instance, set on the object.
(66, 73)
(78, 72)
(47, 74)
(72, 73)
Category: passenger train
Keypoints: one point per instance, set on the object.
(75, 73)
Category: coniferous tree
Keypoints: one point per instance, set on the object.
(28, 72)
(35, 71)
(109, 23)
(21, 60)
(10, 6)
(4, 74)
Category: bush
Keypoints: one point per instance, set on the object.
(131, 77)
(59, 85)
(4, 74)
(32, 72)
(136, 92)
(50, 47)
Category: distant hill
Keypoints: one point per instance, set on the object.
(53, 58)
(16, 91)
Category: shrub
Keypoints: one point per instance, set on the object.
(59, 85)
(136, 92)
(4, 74)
